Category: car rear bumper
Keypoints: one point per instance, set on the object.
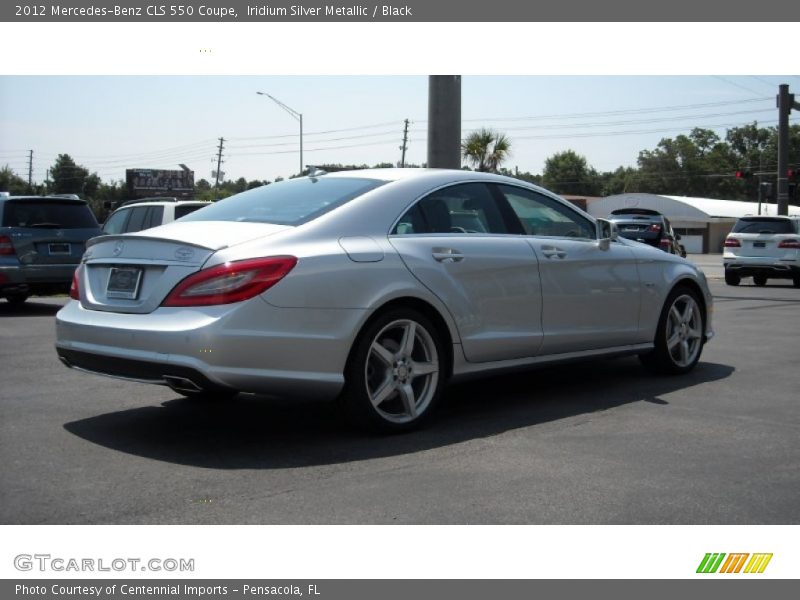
(250, 346)
(747, 266)
(35, 278)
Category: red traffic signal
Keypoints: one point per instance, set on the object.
(743, 174)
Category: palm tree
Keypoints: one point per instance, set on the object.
(486, 149)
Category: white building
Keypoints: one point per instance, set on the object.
(702, 223)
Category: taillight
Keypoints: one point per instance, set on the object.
(655, 227)
(75, 288)
(789, 244)
(6, 247)
(665, 242)
(732, 243)
(230, 282)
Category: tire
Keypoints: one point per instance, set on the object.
(680, 334)
(796, 282)
(732, 278)
(760, 280)
(396, 372)
(17, 299)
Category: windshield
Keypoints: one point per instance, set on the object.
(763, 225)
(292, 202)
(48, 214)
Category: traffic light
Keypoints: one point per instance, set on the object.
(742, 174)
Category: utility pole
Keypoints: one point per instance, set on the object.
(30, 171)
(219, 165)
(404, 146)
(785, 102)
(444, 121)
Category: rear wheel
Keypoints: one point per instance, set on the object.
(796, 282)
(732, 278)
(396, 373)
(679, 337)
(17, 299)
(760, 280)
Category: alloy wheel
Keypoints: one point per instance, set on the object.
(684, 334)
(402, 371)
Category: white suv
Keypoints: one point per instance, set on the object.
(763, 248)
(136, 215)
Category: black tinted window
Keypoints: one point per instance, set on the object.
(463, 208)
(763, 225)
(292, 202)
(155, 217)
(48, 214)
(137, 220)
(185, 209)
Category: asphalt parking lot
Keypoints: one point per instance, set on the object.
(598, 442)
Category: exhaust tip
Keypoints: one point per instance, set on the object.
(181, 384)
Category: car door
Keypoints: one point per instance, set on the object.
(456, 243)
(590, 296)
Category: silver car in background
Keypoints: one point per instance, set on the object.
(376, 287)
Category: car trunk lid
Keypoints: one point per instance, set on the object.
(134, 273)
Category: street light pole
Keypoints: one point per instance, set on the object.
(296, 115)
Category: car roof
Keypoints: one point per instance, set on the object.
(56, 198)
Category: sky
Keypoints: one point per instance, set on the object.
(110, 123)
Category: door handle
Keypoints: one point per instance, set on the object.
(553, 252)
(447, 255)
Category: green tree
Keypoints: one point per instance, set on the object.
(568, 173)
(68, 177)
(12, 183)
(486, 149)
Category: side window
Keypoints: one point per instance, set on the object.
(463, 208)
(136, 222)
(154, 217)
(116, 222)
(544, 216)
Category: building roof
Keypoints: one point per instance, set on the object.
(684, 208)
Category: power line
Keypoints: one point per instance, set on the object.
(626, 111)
(733, 83)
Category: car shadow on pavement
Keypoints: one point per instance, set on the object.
(252, 432)
(31, 308)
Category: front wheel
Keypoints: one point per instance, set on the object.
(679, 337)
(395, 374)
(760, 280)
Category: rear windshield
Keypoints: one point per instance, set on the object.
(763, 225)
(48, 214)
(292, 202)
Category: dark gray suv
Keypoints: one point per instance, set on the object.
(42, 239)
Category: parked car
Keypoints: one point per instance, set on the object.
(136, 215)
(763, 248)
(377, 287)
(42, 239)
(649, 227)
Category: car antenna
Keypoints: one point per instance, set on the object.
(315, 171)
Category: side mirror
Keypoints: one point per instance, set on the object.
(678, 236)
(606, 233)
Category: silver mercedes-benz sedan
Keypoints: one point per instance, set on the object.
(376, 287)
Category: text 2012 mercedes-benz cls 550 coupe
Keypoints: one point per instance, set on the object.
(376, 287)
